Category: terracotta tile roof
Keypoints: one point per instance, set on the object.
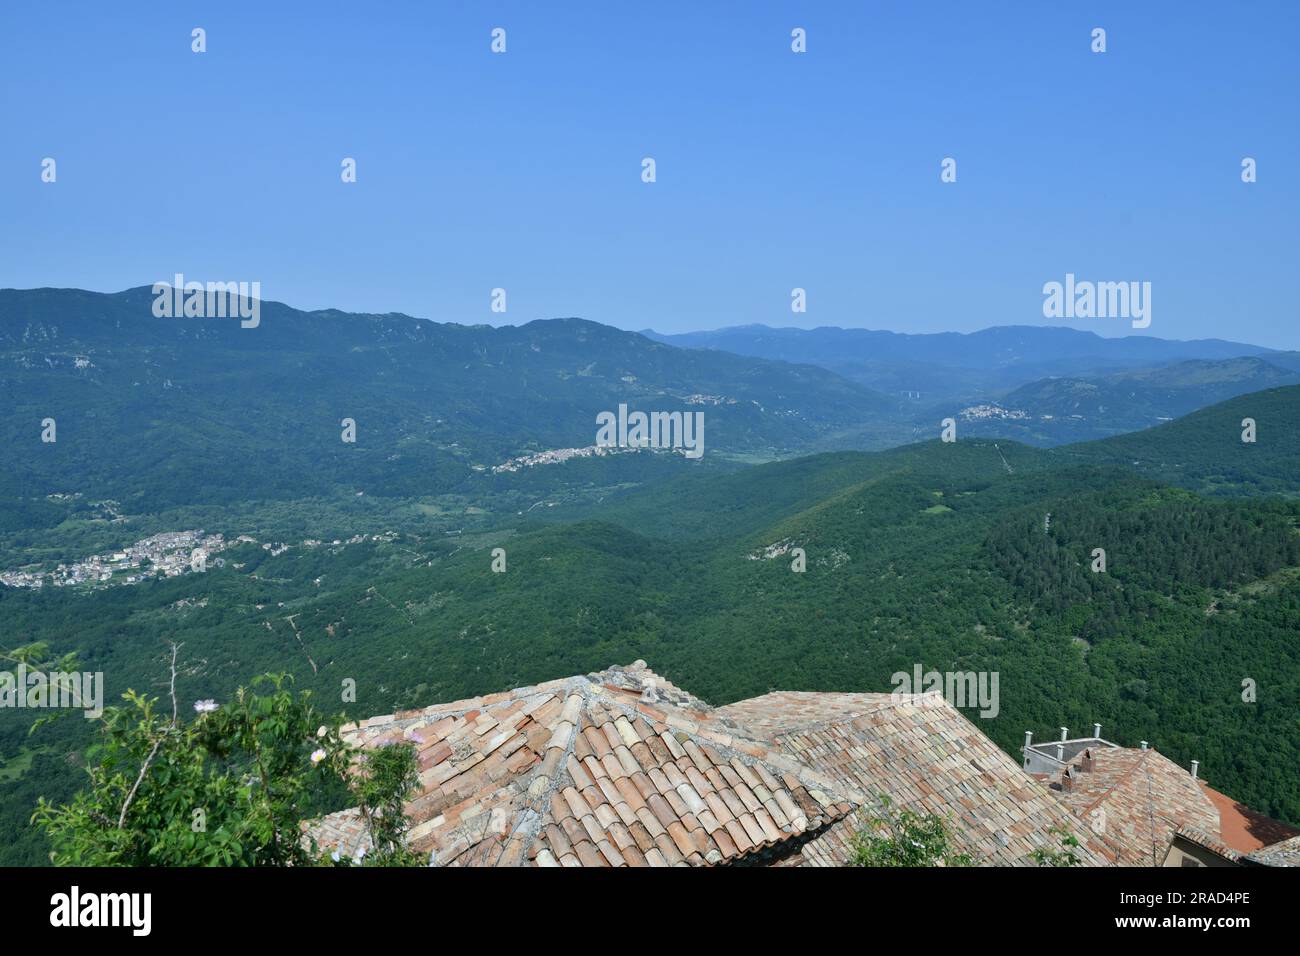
(618, 768)
(1210, 842)
(925, 756)
(621, 768)
(1286, 853)
(1138, 799)
(1244, 829)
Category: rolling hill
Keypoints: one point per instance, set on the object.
(971, 556)
(156, 413)
(1063, 410)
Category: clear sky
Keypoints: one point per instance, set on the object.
(775, 169)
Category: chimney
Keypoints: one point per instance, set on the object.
(1096, 731)
(1144, 745)
(1065, 733)
(1067, 780)
(1086, 763)
(1196, 765)
(1060, 753)
(1029, 739)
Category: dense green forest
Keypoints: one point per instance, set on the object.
(978, 555)
(938, 554)
(1204, 451)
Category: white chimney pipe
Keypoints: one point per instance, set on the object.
(1144, 745)
(1096, 731)
(1065, 733)
(1060, 753)
(1196, 764)
(1029, 739)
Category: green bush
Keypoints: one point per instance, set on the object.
(232, 787)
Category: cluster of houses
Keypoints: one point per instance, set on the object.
(166, 555)
(989, 411)
(555, 456)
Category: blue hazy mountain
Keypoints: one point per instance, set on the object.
(952, 364)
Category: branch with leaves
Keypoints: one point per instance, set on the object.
(232, 787)
(903, 838)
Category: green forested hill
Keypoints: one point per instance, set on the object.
(158, 412)
(973, 556)
(1204, 451)
(934, 554)
(1072, 409)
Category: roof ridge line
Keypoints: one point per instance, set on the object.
(537, 804)
(774, 758)
(1141, 761)
(815, 725)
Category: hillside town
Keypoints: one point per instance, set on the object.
(555, 456)
(164, 555)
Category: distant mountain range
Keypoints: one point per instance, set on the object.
(157, 411)
(949, 365)
(1043, 386)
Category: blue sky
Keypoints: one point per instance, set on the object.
(775, 170)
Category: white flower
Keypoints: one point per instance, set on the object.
(317, 756)
(205, 706)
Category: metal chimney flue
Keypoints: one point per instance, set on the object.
(1144, 745)
(1065, 733)
(1096, 731)
(1196, 765)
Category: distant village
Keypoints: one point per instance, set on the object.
(163, 555)
(557, 455)
(989, 411)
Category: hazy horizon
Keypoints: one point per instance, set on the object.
(518, 323)
(775, 170)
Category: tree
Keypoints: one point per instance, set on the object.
(232, 787)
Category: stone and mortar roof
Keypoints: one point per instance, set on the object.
(922, 754)
(598, 770)
(1285, 853)
(622, 768)
(1138, 799)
